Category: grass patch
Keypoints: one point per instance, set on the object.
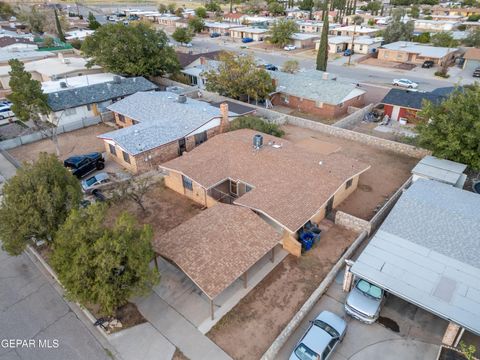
(258, 124)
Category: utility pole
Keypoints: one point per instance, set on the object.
(353, 41)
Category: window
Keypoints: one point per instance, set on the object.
(89, 107)
(126, 157)
(319, 104)
(233, 188)
(112, 149)
(361, 48)
(200, 138)
(340, 105)
(349, 183)
(248, 188)
(187, 183)
(121, 118)
(69, 112)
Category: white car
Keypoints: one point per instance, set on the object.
(95, 182)
(5, 111)
(188, 45)
(405, 83)
(289, 47)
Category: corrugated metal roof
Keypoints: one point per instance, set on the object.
(439, 169)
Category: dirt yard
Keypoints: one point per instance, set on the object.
(72, 143)
(387, 173)
(249, 328)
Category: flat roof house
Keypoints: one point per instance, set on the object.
(159, 126)
(284, 184)
(426, 252)
(302, 40)
(314, 93)
(15, 43)
(442, 170)
(352, 30)
(411, 52)
(361, 44)
(255, 33)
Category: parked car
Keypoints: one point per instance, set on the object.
(289, 47)
(427, 64)
(321, 338)
(98, 195)
(5, 111)
(476, 73)
(247, 40)
(94, 182)
(405, 83)
(82, 165)
(348, 52)
(188, 45)
(365, 301)
(215, 35)
(270, 67)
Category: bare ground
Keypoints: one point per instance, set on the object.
(72, 143)
(388, 170)
(249, 328)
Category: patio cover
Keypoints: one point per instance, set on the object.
(217, 246)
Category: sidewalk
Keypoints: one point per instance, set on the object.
(178, 330)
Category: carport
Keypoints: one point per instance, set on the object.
(426, 252)
(217, 247)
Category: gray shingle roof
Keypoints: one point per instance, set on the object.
(410, 99)
(96, 93)
(310, 85)
(161, 118)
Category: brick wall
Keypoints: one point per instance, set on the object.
(352, 222)
(354, 118)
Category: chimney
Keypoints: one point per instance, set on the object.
(203, 60)
(224, 121)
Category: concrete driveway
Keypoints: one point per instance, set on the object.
(419, 335)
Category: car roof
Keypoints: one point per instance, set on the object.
(316, 339)
(333, 320)
(77, 158)
(101, 176)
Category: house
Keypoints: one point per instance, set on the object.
(11, 43)
(168, 20)
(196, 71)
(435, 25)
(282, 183)
(70, 105)
(472, 59)
(303, 40)
(159, 126)
(404, 104)
(464, 12)
(191, 60)
(220, 27)
(310, 26)
(236, 18)
(24, 56)
(456, 18)
(444, 171)
(361, 44)
(411, 52)
(78, 34)
(315, 93)
(51, 69)
(255, 33)
(426, 252)
(352, 30)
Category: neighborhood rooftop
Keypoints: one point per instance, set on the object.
(289, 184)
(427, 252)
(162, 119)
(217, 246)
(446, 171)
(421, 50)
(97, 93)
(410, 99)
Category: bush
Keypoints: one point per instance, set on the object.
(442, 74)
(258, 124)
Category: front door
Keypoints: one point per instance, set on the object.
(182, 146)
(329, 207)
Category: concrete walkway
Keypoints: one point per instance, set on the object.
(178, 330)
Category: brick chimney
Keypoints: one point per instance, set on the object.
(203, 60)
(224, 121)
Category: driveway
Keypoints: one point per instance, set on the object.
(418, 338)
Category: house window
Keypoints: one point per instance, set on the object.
(126, 157)
(349, 183)
(69, 112)
(200, 138)
(340, 105)
(89, 107)
(361, 48)
(112, 149)
(233, 188)
(319, 104)
(121, 118)
(187, 183)
(248, 188)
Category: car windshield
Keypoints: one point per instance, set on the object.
(303, 352)
(330, 330)
(369, 289)
(91, 181)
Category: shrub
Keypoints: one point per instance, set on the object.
(442, 74)
(258, 124)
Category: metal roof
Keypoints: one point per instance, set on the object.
(439, 169)
(422, 50)
(427, 252)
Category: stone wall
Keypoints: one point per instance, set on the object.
(351, 222)
(354, 118)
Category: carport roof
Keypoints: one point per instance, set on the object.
(427, 252)
(217, 246)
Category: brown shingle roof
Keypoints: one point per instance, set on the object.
(289, 183)
(7, 40)
(215, 247)
(186, 59)
(472, 54)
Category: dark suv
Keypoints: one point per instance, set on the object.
(427, 64)
(82, 165)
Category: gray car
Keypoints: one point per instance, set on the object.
(321, 338)
(95, 182)
(364, 301)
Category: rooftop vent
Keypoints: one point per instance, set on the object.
(63, 84)
(257, 141)
(182, 99)
(117, 79)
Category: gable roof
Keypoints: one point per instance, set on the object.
(410, 99)
(96, 93)
(186, 59)
(290, 184)
(217, 246)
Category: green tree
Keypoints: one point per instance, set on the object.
(103, 265)
(213, 7)
(196, 24)
(473, 39)
(36, 201)
(281, 31)
(6, 11)
(256, 123)
(291, 66)
(452, 129)
(58, 26)
(134, 50)
(179, 12)
(397, 30)
(48, 42)
(238, 76)
(322, 55)
(162, 9)
(182, 35)
(35, 19)
(468, 350)
(415, 11)
(443, 39)
(201, 12)
(93, 24)
(171, 8)
(275, 8)
(357, 20)
(423, 38)
(374, 7)
(307, 5)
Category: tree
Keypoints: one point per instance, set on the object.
(36, 201)
(48, 42)
(398, 30)
(93, 23)
(6, 11)
(171, 8)
(357, 20)
(162, 9)
(103, 265)
(196, 24)
(35, 19)
(281, 31)
(256, 123)
(182, 35)
(474, 17)
(423, 38)
(134, 190)
(468, 350)
(322, 55)
(473, 39)
(275, 8)
(213, 7)
(238, 76)
(415, 11)
(443, 39)
(179, 12)
(307, 5)
(134, 50)
(374, 7)
(58, 26)
(451, 129)
(291, 66)
(201, 12)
